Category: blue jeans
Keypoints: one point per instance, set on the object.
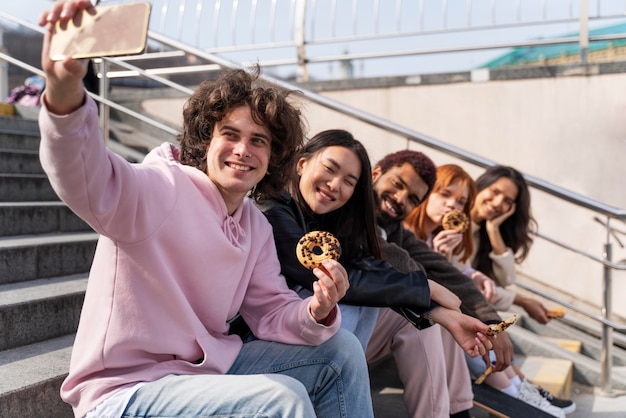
(268, 379)
(359, 320)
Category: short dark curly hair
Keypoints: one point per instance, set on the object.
(421, 163)
(269, 106)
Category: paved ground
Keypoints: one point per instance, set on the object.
(387, 398)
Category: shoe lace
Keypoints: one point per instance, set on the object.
(533, 397)
(545, 393)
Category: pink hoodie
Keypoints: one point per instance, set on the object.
(171, 266)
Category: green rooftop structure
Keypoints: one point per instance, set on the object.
(599, 51)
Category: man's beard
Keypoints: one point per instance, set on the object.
(383, 218)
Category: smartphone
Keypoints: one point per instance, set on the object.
(114, 30)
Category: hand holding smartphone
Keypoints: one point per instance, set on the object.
(114, 30)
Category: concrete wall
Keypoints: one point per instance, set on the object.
(564, 125)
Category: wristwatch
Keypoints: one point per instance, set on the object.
(426, 320)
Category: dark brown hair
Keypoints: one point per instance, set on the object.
(269, 107)
(354, 223)
(515, 229)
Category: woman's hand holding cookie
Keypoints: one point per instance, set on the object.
(446, 241)
(331, 285)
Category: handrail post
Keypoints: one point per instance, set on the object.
(583, 36)
(104, 92)
(300, 37)
(606, 388)
(4, 70)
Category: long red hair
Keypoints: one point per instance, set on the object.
(447, 174)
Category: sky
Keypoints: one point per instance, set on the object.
(209, 31)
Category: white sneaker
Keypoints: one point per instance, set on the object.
(528, 393)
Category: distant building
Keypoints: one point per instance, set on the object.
(562, 54)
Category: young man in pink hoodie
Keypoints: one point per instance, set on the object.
(182, 250)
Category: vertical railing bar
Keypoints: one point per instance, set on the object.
(545, 10)
(444, 14)
(292, 18)
(376, 15)
(233, 22)
(399, 16)
(216, 19)
(199, 4)
(607, 331)
(468, 11)
(518, 10)
(163, 16)
(253, 17)
(493, 12)
(355, 7)
(300, 21)
(105, 111)
(333, 18)
(584, 32)
(420, 14)
(273, 21)
(181, 14)
(313, 12)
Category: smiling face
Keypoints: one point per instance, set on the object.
(328, 178)
(494, 200)
(238, 155)
(446, 200)
(397, 191)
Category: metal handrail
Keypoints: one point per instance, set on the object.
(411, 135)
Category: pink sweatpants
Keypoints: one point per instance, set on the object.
(431, 365)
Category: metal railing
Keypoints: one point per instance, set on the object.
(303, 35)
(609, 213)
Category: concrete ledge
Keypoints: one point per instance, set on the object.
(554, 375)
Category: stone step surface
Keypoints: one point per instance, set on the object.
(37, 218)
(25, 187)
(30, 379)
(38, 310)
(20, 161)
(34, 257)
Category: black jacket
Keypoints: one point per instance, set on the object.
(373, 282)
(439, 269)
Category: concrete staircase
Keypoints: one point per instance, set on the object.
(45, 255)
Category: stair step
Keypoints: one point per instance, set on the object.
(31, 378)
(587, 332)
(568, 344)
(587, 370)
(554, 375)
(40, 309)
(20, 161)
(28, 218)
(25, 187)
(18, 133)
(42, 256)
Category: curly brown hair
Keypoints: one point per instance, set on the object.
(269, 107)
